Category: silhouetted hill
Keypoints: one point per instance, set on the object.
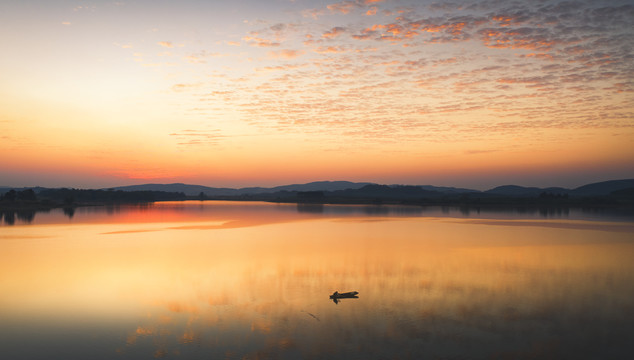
(603, 188)
(444, 189)
(193, 190)
(312, 186)
(514, 190)
(327, 186)
(383, 192)
(190, 190)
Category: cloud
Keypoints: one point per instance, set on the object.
(260, 42)
(344, 7)
(197, 137)
(123, 46)
(183, 87)
(201, 57)
(285, 67)
(371, 11)
(166, 44)
(194, 59)
(285, 54)
(329, 49)
(313, 13)
(478, 152)
(65, 22)
(334, 32)
(511, 65)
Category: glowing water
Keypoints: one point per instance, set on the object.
(251, 280)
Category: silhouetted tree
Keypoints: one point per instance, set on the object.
(27, 195)
(9, 195)
(69, 200)
(310, 196)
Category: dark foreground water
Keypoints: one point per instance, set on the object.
(222, 280)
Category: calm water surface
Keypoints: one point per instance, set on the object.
(231, 280)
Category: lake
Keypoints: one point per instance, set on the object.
(249, 280)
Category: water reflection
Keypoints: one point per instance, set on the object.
(310, 208)
(69, 211)
(247, 281)
(208, 210)
(10, 216)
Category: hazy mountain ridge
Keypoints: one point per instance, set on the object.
(356, 189)
(366, 189)
(193, 190)
(326, 186)
(593, 189)
(515, 190)
(604, 187)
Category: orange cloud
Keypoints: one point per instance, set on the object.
(344, 7)
(285, 54)
(333, 33)
(329, 50)
(371, 11)
(540, 56)
(313, 13)
(166, 44)
(259, 42)
(181, 87)
(395, 29)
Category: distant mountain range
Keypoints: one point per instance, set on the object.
(365, 189)
(193, 190)
(594, 189)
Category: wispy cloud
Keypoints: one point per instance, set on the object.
(191, 137)
(313, 13)
(183, 87)
(260, 42)
(166, 44)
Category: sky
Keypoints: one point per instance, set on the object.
(260, 93)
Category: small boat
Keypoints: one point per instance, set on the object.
(346, 295)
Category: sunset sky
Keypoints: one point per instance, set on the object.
(241, 93)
